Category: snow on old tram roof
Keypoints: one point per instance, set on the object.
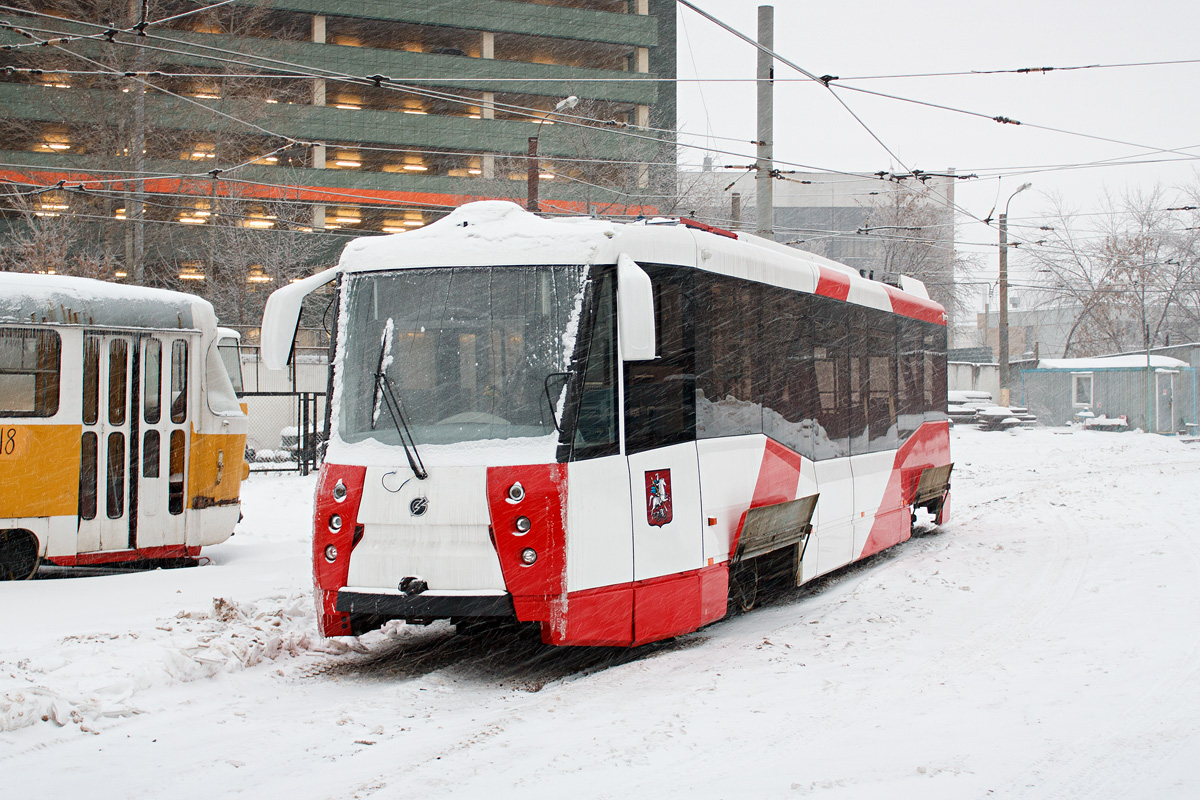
(27, 298)
(493, 232)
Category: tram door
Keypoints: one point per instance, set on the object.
(109, 392)
(164, 416)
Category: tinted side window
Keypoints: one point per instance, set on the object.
(731, 351)
(790, 397)
(660, 394)
(179, 375)
(831, 366)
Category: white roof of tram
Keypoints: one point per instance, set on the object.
(497, 232)
(28, 298)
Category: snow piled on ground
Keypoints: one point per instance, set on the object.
(1042, 644)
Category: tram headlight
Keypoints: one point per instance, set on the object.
(339, 491)
(516, 492)
(335, 522)
(330, 553)
(528, 556)
(523, 524)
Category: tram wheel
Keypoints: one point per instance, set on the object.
(18, 555)
(743, 587)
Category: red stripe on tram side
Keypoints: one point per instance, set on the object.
(778, 477)
(928, 447)
(907, 305)
(833, 284)
(117, 556)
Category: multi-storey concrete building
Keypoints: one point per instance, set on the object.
(311, 116)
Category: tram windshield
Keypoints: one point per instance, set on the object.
(481, 353)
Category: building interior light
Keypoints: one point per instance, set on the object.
(473, 116)
(193, 220)
(45, 214)
(256, 222)
(345, 162)
(393, 227)
(272, 101)
(54, 206)
(201, 213)
(347, 220)
(206, 96)
(58, 85)
(268, 160)
(416, 167)
(58, 146)
(546, 176)
(413, 223)
(120, 274)
(416, 111)
(258, 276)
(474, 172)
(348, 107)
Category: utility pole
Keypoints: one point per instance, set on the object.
(1004, 295)
(765, 163)
(1003, 325)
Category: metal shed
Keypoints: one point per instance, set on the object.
(1155, 393)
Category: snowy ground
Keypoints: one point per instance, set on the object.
(1043, 644)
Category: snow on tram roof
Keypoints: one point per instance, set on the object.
(494, 232)
(27, 298)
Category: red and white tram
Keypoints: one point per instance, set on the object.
(602, 427)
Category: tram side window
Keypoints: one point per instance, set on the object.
(790, 398)
(935, 373)
(731, 349)
(831, 366)
(910, 379)
(150, 454)
(87, 476)
(878, 340)
(660, 397)
(152, 390)
(118, 368)
(29, 372)
(593, 420)
(175, 482)
(91, 379)
(115, 505)
(179, 373)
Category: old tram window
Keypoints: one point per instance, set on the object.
(179, 373)
(115, 505)
(91, 379)
(175, 484)
(118, 371)
(87, 476)
(152, 385)
(151, 459)
(29, 372)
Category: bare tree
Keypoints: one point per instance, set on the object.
(1130, 271)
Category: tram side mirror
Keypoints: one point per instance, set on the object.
(635, 311)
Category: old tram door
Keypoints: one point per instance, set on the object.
(164, 416)
(108, 445)
(133, 448)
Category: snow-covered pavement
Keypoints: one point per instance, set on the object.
(1042, 644)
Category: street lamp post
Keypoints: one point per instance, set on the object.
(533, 173)
(1003, 325)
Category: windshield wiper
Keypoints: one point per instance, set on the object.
(385, 390)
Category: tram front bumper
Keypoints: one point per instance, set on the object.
(428, 605)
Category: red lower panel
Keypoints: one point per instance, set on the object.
(928, 447)
(601, 616)
(115, 556)
(714, 593)
(665, 607)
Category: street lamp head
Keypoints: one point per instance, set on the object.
(567, 103)
(1023, 187)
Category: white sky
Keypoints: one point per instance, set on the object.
(1152, 106)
